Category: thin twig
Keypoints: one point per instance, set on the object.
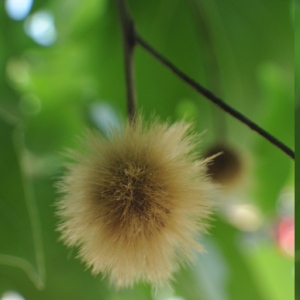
(32, 210)
(128, 34)
(210, 96)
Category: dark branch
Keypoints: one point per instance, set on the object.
(210, 96)
(128, 34)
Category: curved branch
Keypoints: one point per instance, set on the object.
(210, 96)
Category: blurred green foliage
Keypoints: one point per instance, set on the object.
(241, 50)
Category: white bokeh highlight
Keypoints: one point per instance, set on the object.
(18, 9)
(41, 28)
(12, 295)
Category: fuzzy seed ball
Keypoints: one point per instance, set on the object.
(134, 203)
(225, 168)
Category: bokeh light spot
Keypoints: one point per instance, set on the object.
(12, 295)
(104, 116)
(41, 28)
(17, 70)
(286, 236)
(18, 9)
(245, 217)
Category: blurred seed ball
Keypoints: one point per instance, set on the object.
(225, 168)
(134, 202)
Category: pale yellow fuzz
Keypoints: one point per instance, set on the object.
(134, 203)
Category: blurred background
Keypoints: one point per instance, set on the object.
(61, 65)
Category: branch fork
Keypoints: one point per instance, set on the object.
(131, 39)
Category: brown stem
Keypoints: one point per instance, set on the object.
(129, 42)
